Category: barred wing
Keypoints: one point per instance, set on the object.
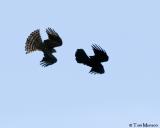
(34, 42)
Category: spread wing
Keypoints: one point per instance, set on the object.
(81, 57)
(100, 54)
(54, 39)
(48, 59)
(34, 42)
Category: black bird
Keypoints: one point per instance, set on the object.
(35, 43)
(93, 61)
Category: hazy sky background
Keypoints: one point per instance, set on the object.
(65, 95)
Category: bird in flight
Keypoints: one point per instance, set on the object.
(93, 61)
(35, 43)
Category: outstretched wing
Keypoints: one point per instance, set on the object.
(54, 39)
(81, 57)
(48, 59)
(100, 54)
(34, 42)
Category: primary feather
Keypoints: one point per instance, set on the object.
(34, 42)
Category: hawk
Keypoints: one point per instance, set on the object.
(93, 61)
(35, 43)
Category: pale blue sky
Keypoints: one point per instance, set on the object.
(65, 95)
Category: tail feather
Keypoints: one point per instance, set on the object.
(81, 57)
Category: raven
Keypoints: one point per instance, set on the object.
(93, 61)
(34, 43)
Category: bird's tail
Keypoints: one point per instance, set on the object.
(81, 57)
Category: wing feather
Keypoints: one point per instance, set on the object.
(34, 42)
(54, 39)
(100, 54)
